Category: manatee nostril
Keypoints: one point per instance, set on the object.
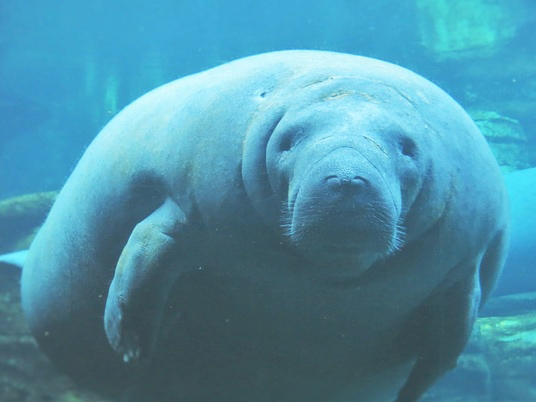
(359, 181)
(333, 181)
(345, 183)
(332, 178)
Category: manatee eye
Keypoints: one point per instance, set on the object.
(286, 143)
(288, 140)
(408, 147)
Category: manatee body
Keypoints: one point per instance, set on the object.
(292, 226)
(519, 274)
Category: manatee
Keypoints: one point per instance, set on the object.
(291, 226)
(515, 293)
(519, 273)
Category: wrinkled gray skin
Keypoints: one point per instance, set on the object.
(292, 226)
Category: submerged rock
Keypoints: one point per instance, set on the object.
(457, 29)
(511, 354)
(498, 364)
(506, 138)
(20, 217)
(510, 305)
(26, 374)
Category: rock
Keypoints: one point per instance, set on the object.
(511, 354)
(20, 217)
(506, 137)
(458, 29)
(26, 374)
(508, 305)
(498, 364)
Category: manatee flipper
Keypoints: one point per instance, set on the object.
(446, 321)
(143, 279)
(15, 259)
(492, 263)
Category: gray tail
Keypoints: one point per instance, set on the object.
(15, 259)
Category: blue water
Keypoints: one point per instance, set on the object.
(67, 67)
(58, 60)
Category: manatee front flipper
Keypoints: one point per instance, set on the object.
(15, 259)
(443, 326)
(144, 276)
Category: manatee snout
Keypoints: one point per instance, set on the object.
(340, 182)
(344, 204)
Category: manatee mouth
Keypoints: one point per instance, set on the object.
(347, 231)
(342, 228)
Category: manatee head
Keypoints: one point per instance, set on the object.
(335, 169)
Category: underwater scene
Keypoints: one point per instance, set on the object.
(276, 201)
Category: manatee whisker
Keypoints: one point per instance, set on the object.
(315, 209)
(399, 238)
(309, 213)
